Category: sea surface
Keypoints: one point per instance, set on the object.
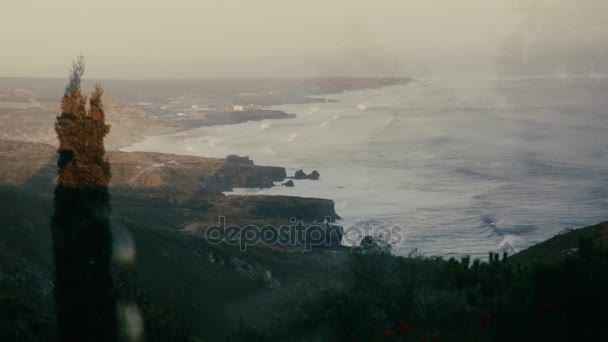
(462, 167)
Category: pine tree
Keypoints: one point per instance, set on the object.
(82, 238)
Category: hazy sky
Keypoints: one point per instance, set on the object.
(251, 38)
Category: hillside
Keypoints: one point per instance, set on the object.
(188, 190)
(34, 164)
(563, 244)
(212, 286)
(23, 117)
(161, 205)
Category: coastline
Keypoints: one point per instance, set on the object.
(388, 187)
(190, 189)
(305, 91)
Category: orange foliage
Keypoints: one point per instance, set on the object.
(83, 163)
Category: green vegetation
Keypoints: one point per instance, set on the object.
(432, 299)
(22, 321)
(340, 294)
(172, 272)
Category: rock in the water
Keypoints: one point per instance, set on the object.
(289, 183)
(301, 175)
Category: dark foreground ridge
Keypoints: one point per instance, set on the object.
(214, 291)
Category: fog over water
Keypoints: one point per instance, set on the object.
(464, 167)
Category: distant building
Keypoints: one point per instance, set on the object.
(238, 108)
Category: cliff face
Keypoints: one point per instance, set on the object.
(145, 170)
(34, 164)
(173, 191)
(284, 207)
(238, 172)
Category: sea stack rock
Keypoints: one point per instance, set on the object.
(289, 183)
(301, 175)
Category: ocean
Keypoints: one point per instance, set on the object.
(461, 167)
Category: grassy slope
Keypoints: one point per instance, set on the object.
(174, 268)
(562, 244)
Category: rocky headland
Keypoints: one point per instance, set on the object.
(173, 191)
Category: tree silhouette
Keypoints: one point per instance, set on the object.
(82, 239)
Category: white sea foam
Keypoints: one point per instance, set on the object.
(312, 110)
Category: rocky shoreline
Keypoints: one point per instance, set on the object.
(188, 189)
